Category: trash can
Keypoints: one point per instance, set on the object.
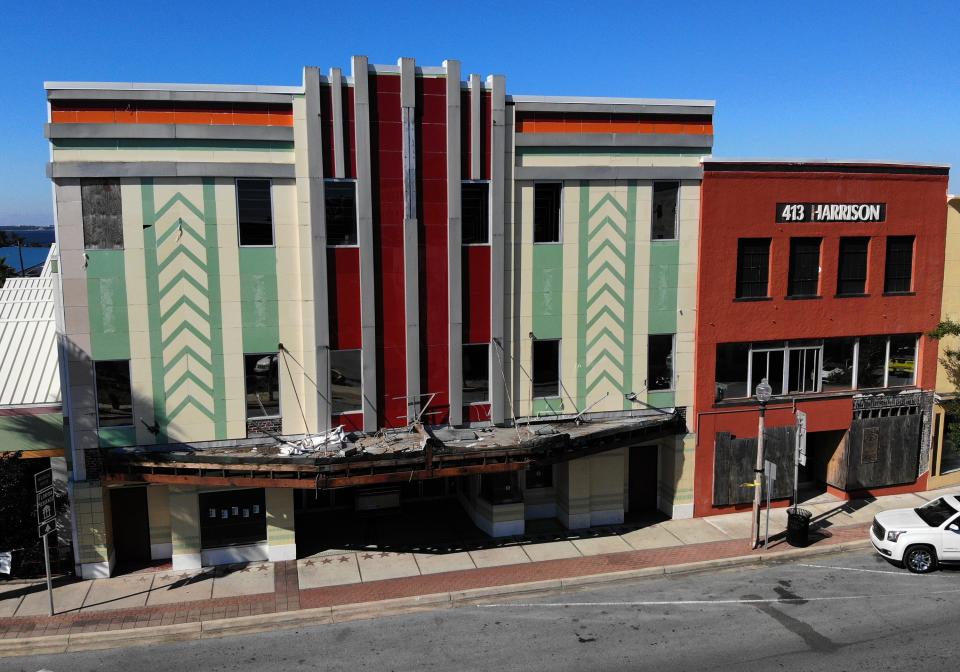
(798, 526)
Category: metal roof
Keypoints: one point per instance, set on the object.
(29, 365)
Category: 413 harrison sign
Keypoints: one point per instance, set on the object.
(831, 212)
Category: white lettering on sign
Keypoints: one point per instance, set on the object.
(831, 212)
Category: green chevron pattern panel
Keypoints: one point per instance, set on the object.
(607, 253)
(183, 291)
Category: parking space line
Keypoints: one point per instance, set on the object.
(856, 569)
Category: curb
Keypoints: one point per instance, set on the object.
(245, 625)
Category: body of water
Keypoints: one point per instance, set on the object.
(32, 256)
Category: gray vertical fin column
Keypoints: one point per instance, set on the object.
(411, 238)
(454, 245)
(309, 173)
(497, 86)
(368, 306)
(336, 108)
(476, 130)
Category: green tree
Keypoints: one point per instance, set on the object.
(950, 359)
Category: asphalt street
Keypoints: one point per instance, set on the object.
(850, 611)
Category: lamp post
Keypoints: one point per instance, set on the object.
(763, 393)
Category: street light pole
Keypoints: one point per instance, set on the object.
(764, 391)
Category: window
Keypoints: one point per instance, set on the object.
(346, 391)
(660, 362)
(950, 457)
(804, 267)
(731, 371)
(474, 206)
(902, 361)
(476, 373)
(766, 362)
(232, 518)
(262, 375)
(753, 267)
(540, 476)
(899, 270)
(254, 212)
(546, 212)
(804, 369)
(501, 488)
(340, 209)
(852, 275)
(838, 364)
(114, 398)
(871, 355)
(663, 219)
(101, 212)
(546, 368)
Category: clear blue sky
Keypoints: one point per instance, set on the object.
(867, 80)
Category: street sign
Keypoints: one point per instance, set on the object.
(46, 506)
(801, 438)
(46, 528)
(43, 479)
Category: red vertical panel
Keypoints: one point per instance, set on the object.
(465, 135)
(343, 295)
(350, 130)
(387, 158)
(352, 422)
(476, 294)
(432, 212)
(326, 126)
(477, 412)
(486, 117)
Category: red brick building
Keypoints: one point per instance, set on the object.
(821, 277)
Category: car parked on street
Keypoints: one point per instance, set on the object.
(920, 539)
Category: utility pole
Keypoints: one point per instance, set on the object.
(764, 391)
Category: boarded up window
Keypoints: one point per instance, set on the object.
(870, 445)
(102, 217)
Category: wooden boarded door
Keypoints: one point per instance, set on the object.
(131, 526)
(735, 459)
(880, 452)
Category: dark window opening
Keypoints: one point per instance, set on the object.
(114, 397)
(852, 275)
(804, 370)
(660, 362)
(540, 477)
(262, 385)
(663, 225)
(474, 207)
(731, 371)
(902, 363)
(476, 373)
(501, 488)
(899, 270)
(346, 391)
(102, 215)
(753, 267)
(804, 267)
(546, 368)
(341, 212)
(546, 212)
(254, 212)
(871, 357)
(767, 364)
(232, 518)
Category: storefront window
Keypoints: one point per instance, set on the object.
(871, 360)
(950, 458)
(804, 369)
(838, 364)
(232, 518)
(345, 386)
(901, 366)
(767, 364)
(731, 372)
(263, 385)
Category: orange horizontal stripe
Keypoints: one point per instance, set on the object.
(142, 114)
(612, 126)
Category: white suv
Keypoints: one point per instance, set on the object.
(920, 538)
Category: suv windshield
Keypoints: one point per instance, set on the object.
(936, 513)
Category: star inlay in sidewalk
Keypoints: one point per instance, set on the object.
(367, 556)
(184, 576)
(245, 569)
(309, 563)
(262, 568)
(142, 579)
(343, 558)
(384, 555)
(327, 561)
(164, 577)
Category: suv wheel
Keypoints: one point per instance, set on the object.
(920, 559)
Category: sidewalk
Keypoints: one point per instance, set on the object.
(339, 577)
